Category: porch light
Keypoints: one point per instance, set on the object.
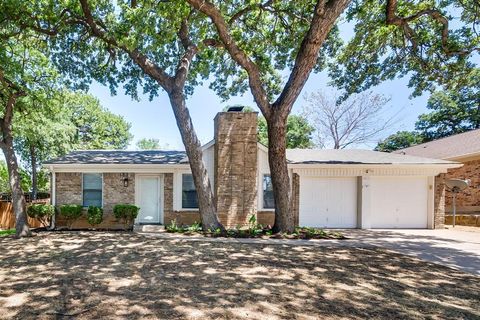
(125, 179)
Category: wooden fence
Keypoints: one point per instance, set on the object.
(7, 216)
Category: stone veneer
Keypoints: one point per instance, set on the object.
(69, 191)
(236, 167)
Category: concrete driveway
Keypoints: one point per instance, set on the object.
(457, 247)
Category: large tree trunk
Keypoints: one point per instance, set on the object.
(277, 132)
(18, 199)
(33, 163)
(193, 148)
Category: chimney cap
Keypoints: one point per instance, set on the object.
(235, 109)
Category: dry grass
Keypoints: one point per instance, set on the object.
(128, 276)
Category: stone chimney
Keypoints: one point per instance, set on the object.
(236, 166)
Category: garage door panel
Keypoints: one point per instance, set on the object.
(328, 202)
(398, 202)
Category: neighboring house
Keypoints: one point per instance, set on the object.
(464, 148)
(330, 188)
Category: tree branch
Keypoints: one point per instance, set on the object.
(190, 51)
(142, 60)
(237, 54)
(403, 22)
(324, 17)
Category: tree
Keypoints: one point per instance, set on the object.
(353, 121)
(148, 144)
(66, 121)
(299, 132)
(253, 42)
(399, 140)
(281, 34)
(96, 127)
(24, 179)
(291, 34)
(409, 38)
(453, 111)
(121, 44)
(25, 75)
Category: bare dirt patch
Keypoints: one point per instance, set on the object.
(85, 275)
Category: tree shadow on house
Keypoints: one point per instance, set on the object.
(129, 276)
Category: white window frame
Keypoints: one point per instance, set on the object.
(101, 174)
(177, 191)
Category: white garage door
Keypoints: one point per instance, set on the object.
(328, 202)
(398, 202)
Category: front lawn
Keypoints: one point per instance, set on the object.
(86, 275)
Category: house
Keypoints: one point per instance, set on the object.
(330, 188)
(463, 148)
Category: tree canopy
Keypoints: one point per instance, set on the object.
(299, 132)
(148, 144)
(399, 140)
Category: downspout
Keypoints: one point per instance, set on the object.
(52, 196)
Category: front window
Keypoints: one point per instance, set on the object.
(268, 201)
(92, 189)
(189, 194)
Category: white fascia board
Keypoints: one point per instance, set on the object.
(442, 166)
(131, 168)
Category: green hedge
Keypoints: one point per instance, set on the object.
(41, 212)
(71, 212)
(126, 213)
(94, 215)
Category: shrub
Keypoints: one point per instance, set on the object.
(195, 227)
(41, 212)
(94, 215)
(71, 212)
(173, 227)
(126, 213)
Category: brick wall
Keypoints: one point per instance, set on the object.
(236, 167)
(439, 202)
(471, 196)
(181, 217)
(69, 191)
(68, 188)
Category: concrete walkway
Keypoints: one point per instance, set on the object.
(457, 248)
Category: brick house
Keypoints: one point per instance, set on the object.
(330, 188)
(463, 148)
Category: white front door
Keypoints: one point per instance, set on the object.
(149, 199)
(328, 202)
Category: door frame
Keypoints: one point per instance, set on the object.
(161, 188)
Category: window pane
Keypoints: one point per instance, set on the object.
(92, 181)
(268, 201)
(92, 198)
(92, 189)
(189, 194)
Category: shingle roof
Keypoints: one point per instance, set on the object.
(351, 156)
(455, 146)
(294, 156)
(120, 157)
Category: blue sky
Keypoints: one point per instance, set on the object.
(154, 119)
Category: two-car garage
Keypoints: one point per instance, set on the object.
(366, 189)
(336, 202)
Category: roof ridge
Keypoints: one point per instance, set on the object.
(441, 139)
